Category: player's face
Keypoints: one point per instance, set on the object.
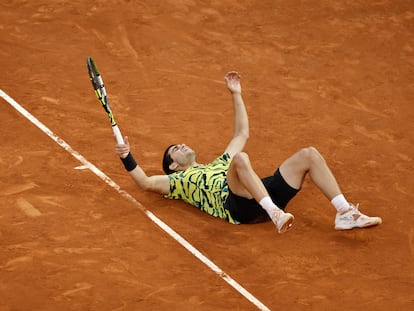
(182, 154)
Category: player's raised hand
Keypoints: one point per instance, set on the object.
(122, 149)
(232, 79)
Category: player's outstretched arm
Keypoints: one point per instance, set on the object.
(156, 183)
(241, 121)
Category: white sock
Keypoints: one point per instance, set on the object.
(267, 204)
(340, 203)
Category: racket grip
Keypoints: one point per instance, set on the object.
(118, 135)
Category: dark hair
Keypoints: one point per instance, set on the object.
(167, 160)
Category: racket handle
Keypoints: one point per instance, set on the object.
(118, 135)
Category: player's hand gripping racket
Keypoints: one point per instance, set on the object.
(100, 92)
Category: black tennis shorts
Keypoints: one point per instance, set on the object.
(248, 211)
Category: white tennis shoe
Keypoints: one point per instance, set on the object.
(353, 218)
(282, 220)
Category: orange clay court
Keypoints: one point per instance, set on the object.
(337, 75)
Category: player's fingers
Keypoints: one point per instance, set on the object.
(122, 150)
(229, 74)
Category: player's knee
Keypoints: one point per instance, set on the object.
(310, 155)
(241, 159)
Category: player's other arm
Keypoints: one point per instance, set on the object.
(155, 183)
(241, 121)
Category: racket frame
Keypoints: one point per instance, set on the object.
(100, 91)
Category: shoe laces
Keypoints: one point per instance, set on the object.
(276, 215)
(355, 211)
(355, 208)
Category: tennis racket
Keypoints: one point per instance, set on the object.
(100, 92)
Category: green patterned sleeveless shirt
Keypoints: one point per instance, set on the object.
(204, 186)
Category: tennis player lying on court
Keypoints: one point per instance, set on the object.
(230, 189)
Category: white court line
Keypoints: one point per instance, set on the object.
(126, 195)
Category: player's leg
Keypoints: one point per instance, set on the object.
(243, 181)
(310, 161)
